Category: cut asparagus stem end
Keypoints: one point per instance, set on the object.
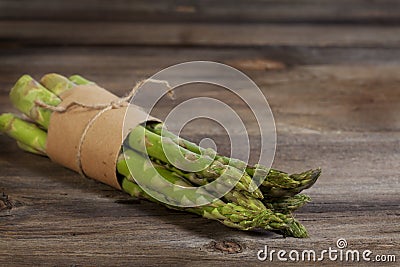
(56, 83)
(24, 95)
(77, 79)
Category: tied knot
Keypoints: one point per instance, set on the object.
(117, 104)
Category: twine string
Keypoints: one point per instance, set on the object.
(120, 102)
(115, 104)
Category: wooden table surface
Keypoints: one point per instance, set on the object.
(330, 72)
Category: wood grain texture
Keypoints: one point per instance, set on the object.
(197, 34)
(329, 69)
(359, 86)
(354, 23)
(287, 11)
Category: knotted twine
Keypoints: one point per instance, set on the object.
(115, 104)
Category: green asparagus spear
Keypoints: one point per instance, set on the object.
(29, 149)
(152, 144)
(79, 80)
(306, 179)
(26, 133)
(215, 210)
(56, 83)
(274, 181)
(24, 94)
(288, 204)
(229, 214)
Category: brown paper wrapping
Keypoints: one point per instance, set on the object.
(102, 143)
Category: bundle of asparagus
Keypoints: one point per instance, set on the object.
(269, 207)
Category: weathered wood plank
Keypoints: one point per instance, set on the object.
(325, 11)
(319, 89)
(62, 219)
(150, 59)
(197, 34)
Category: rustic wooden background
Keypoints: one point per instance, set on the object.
(331, 73)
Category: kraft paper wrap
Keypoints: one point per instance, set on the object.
(102, 143)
